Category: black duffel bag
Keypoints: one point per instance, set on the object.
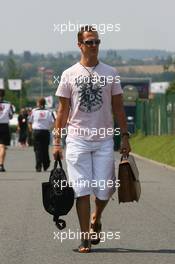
(57, 195)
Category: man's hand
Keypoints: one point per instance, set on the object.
(61, 120)
(57, 150)
(125, 146)
(119, 115)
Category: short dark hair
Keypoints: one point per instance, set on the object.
(2, 92)
(42, 101)
(85, 28)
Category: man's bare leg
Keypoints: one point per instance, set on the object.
(2, 153)
(99, 207)
(83, 211)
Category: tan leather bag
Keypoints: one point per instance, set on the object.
(128, 174)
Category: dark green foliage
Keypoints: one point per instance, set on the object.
(171, 88)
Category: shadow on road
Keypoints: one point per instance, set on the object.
(130, 250)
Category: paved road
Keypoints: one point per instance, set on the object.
(147, 229)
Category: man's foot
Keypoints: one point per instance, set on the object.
(2, 169)
(85, 246)
(95, 233)
(38, 169)
(46, 167)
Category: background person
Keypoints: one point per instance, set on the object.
(22, 127)
(88, 105)
(40, 123)
(29, 136)
(6, 113)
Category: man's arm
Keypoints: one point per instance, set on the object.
(119, 115)
(11, 112)
(61, 120)
(30, 127)
(30, 120)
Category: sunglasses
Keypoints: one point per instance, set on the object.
(91, 42)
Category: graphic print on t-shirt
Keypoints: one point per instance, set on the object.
(42, 115)
(90, 94)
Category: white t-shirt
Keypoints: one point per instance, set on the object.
(6, 112)
(41, 119)
(90, 111)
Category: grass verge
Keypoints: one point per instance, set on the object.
(159, 148)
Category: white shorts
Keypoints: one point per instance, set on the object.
(91, 167)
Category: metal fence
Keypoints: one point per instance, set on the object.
(156, 116)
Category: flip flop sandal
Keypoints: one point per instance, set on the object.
(85, 246)
(95, 233)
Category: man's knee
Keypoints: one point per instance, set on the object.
(83, 198)
(2, 147)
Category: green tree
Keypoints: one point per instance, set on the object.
(171, 88)
(13, 71)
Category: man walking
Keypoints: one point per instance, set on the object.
(88, 91)
(6, 113)
(40, 122)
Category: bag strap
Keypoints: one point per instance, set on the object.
(56, 162)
